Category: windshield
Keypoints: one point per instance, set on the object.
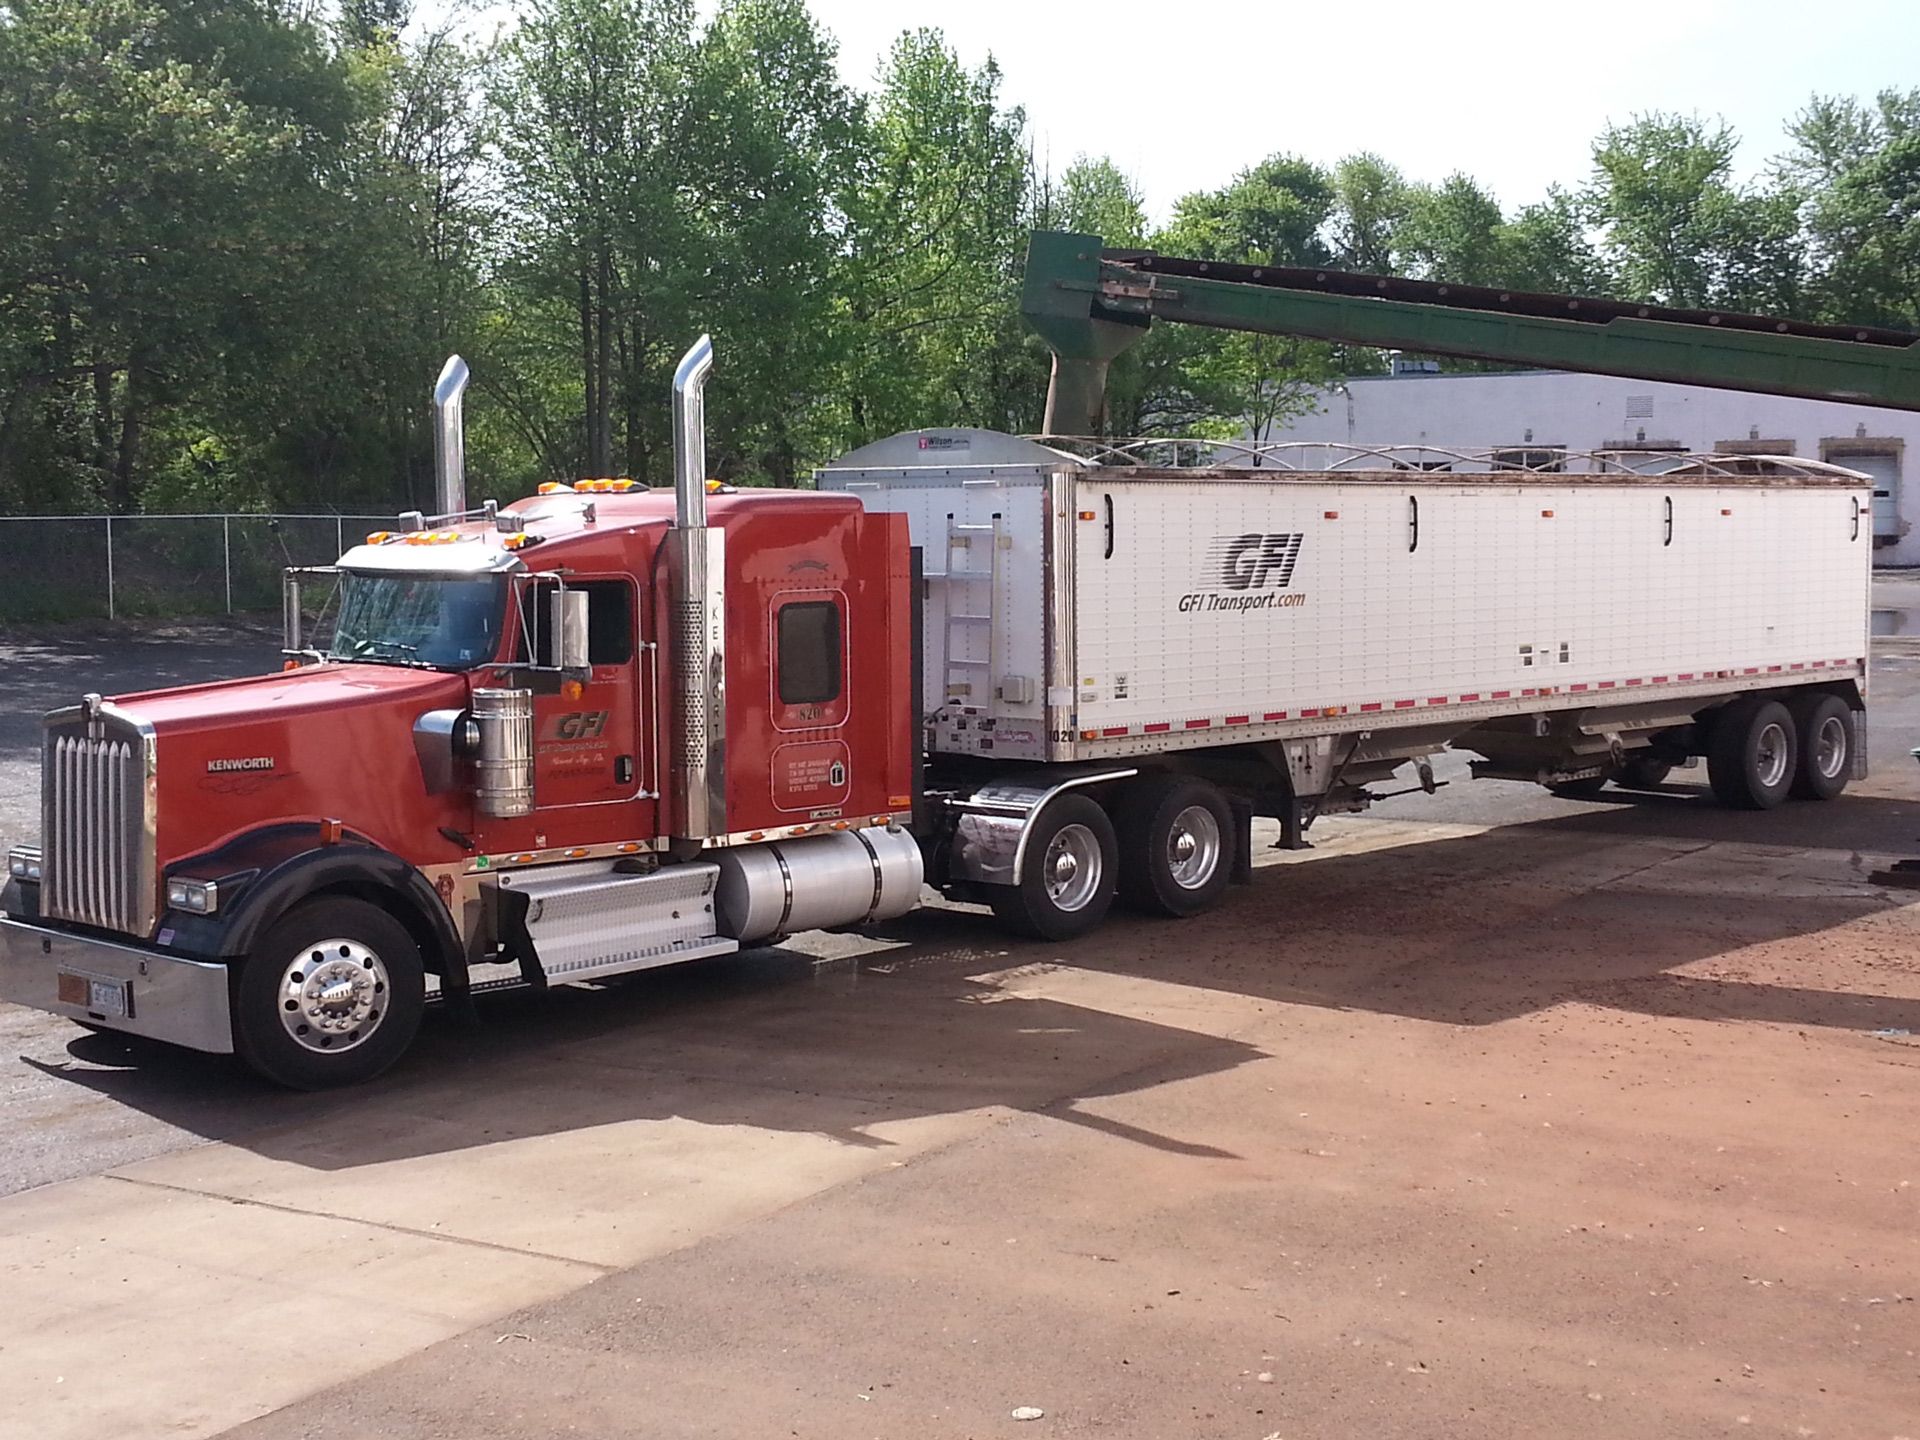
(447, 622)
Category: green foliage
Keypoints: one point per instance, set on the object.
(1094, 197)
(191, 190)
(1372, 202)
(1859, 168)
(936, 219)
(238, 238)
(1678, 231)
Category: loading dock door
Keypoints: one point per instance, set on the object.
(1885, 470)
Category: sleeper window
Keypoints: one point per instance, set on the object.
(809, 660)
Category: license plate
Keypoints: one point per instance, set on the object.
(101, 997)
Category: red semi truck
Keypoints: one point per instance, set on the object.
(604, 728)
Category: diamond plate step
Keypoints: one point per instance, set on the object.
(589, 920)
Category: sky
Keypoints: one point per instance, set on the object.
(1510, 91)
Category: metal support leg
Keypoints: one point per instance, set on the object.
(1293, 826)
(1242, 873)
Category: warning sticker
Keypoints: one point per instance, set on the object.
(810, 774)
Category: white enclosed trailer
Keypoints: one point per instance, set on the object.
(1285, 636)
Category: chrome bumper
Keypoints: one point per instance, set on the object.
(165, 997)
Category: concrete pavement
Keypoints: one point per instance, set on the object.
(1595, 1122)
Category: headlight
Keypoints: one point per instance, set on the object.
(23, 862)
(198, 897)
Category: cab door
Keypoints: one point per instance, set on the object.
(587, 734)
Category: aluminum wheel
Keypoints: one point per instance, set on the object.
(1072, 867)
(1772, 755)
(1193, 847)
(1830, 746)
(333, 996)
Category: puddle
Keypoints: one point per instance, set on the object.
(1892, 622)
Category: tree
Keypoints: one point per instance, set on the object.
(169, 171)
(1454, 231)
(1548, 249)
(1859, 168)
(1371, 201)
(771, 140)
(1096, 197)
(1678, 231)
(590, 101)
(1222, 383)
(935, 239)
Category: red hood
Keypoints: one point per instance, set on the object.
(292, 696)
(325, 742)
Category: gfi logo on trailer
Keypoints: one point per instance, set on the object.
(1239, 564)
(1253, 562)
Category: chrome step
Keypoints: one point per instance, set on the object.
(590, 920)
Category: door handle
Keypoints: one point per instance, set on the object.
(623, 770)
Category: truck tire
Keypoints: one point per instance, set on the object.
(1825, 723)
(332, 994)
(1067, 877)
(1176, 845)
(1752, 754)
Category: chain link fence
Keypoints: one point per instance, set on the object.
(106, 567)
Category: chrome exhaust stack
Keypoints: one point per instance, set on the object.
(449, 439)
(696, 568)
(690, 435)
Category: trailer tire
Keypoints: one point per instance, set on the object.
(331, 994)
(1825, 723)
(1176, 845)
(1068, 875)
(1752, 754)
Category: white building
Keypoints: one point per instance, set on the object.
(1544, 410)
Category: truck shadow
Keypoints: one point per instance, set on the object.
(1668, 907)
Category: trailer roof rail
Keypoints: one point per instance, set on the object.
(1184, 452)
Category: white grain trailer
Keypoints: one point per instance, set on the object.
(1139, 659)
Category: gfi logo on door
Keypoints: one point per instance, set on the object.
(578, 725)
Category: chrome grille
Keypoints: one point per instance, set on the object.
(96, 793)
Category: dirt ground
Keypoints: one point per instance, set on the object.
(1493, 1115)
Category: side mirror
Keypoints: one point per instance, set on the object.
(568, 626)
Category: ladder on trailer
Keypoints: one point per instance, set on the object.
(967, 599)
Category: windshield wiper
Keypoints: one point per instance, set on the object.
(375, 648)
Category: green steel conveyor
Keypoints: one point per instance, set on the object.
(1089, 304)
